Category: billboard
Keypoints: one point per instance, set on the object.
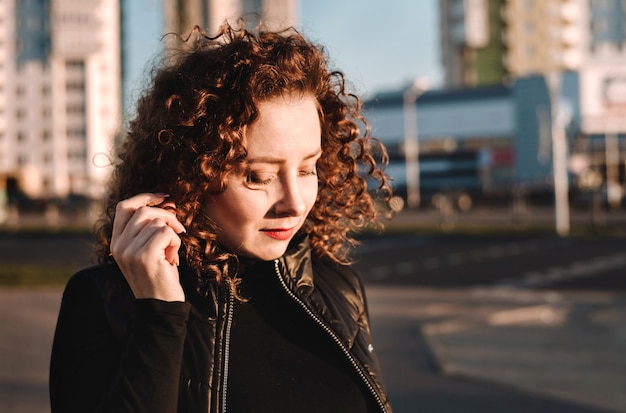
(603, 99)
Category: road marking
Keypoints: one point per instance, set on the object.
(543, 314)
(455, 259)
(577, 269)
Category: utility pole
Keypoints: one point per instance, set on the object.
(411, 140)
(559, 154)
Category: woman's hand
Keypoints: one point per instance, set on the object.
(145, 245)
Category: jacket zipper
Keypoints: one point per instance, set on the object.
(229, 323)
(332, 335)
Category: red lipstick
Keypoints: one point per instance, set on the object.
(280, 234)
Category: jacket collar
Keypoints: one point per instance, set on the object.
(296, 266)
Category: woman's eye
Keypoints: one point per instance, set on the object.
(257, 179)
(311, 172)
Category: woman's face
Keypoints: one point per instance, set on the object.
(267, 202)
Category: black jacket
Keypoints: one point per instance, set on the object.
(155, 356)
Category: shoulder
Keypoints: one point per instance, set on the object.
(341, 289)
(338, 275)
(104, 280)
(100, 291)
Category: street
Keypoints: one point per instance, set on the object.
(525, 261)
(461, 323)
(499, 323)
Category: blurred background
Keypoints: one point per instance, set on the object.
(499, 284)
(481, 103)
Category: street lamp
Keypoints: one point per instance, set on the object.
(411, 141)
(560, 117)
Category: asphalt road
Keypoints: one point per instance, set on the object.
(461, 324)
(499, 323)
(524, 261)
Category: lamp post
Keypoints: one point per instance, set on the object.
(559, 153)
(411, 141)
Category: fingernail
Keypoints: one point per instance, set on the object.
(162, 195)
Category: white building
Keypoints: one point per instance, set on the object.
(60, 95)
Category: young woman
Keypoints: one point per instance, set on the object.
(223, 283)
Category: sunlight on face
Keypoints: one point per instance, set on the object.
(267, 203)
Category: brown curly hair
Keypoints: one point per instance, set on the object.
(188, 135)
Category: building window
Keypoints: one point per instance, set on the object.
(75, 85)
(76, 133)
(76, 108)
(598, 25)
(529, 26)
(75, 64)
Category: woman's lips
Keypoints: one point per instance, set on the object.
(280, 234)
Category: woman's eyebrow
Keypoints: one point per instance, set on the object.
(272, 160)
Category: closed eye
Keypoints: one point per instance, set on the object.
(308, 173)
(254, 179)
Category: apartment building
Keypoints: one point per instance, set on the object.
(472, 47)
(490, 41)
(60, 95)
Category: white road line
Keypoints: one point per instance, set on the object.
(529, 280)
(575, 270)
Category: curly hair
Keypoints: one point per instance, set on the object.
(187, 135)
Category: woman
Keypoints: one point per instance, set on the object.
(223, 282)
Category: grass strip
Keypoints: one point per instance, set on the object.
(33, 275)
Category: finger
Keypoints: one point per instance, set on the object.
(171, 251)
(145, 215)
(170, 206)
(126, 209)
(162, 239)
(137, 236)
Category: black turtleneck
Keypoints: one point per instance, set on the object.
(280, 360)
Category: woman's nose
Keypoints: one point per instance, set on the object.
(290, 200)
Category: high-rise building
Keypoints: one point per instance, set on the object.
(472, 48)
(543, 36)
(181, 17)
(488, 41)
(60, 95)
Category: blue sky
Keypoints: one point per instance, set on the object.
(379, 45)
